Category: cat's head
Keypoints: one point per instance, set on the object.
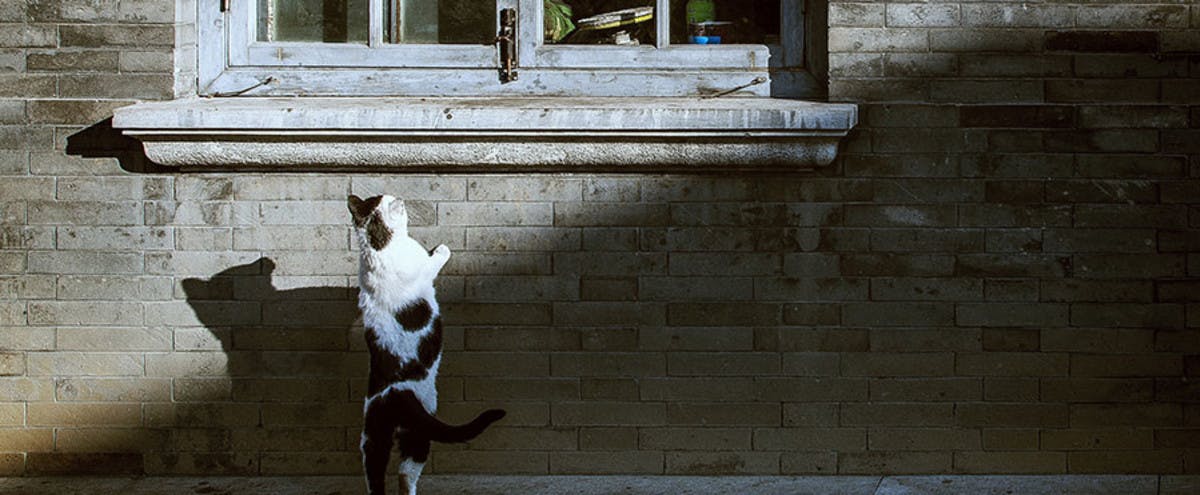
(381, 225)
(377, 220)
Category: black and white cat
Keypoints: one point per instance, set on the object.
(404, 337)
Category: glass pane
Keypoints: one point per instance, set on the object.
(446, 22)
(725, 21)
(329, 21)
(599, 22)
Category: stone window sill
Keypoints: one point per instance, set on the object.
(488, 134)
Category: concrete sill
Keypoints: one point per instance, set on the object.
(489, 134)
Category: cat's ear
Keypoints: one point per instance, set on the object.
(357, 205)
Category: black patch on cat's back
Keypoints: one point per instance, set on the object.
(415, 316)
(387, 368)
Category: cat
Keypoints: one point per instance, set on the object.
(404, 337)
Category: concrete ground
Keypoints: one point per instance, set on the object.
(623, 485)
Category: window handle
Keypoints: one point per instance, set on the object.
(506, 41)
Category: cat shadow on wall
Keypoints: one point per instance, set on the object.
(289, 396)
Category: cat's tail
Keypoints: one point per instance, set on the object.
(414, 417)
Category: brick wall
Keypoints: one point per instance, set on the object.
(998, 275)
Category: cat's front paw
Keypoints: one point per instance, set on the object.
(441, 251)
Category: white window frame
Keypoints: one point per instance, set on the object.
(238, 64)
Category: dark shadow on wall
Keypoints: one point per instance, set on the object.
(292, 379)
(101, 140)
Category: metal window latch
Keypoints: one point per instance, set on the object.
(506, 42)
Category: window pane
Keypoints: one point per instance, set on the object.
(330, 21)
(725, 21)
(447, 22)
(599, 22)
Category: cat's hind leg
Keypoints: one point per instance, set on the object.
(379, 426)
(415, 449)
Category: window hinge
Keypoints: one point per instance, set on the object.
(224, 5)
(506, 41)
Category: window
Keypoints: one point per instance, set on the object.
(451, 48)
(497, 85)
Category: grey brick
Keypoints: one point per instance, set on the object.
(856, 65)
(1104, 91)
(272, 188)
(695, 289)
(1132, 16)
(115, 238)
(1104, 191)
(114, 188)
(898, 314)
(721, 463)
(148, 61)
(920, 64)
(922, 15)
(1018, 165)
(611, 189)
(695, 339)
(902, 115)
(900, 215)
(116, 35)
(984, 40)
(881, 364)
(523, 239)
(1131, 66)
(926, 289)
(1074, 290)
(290, 238)
(1129, 266)
(726, 264)
(28, 36)
(189, 213)
(146, 11)
(1160, 316)
(723, 364)
(609, 214)
(1164, 216)
(614, 264)
(1012, 314)
(856, 14)
(987, 91)
(927, 240)
(522, 288)
(723, 314)
(73, 61)
(25, 137)
(85, 313)
(495, 214)
(609, 314)
(810, 289)
(930, 140)
(897, 414)
(926, 389)
(1100, 241)
(903, 339)
(524, 189)
(133, 86)
(24, 188)
(1009, 16)
(723, 413)
(1010, 65)
(85, 262)
(877, 40)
